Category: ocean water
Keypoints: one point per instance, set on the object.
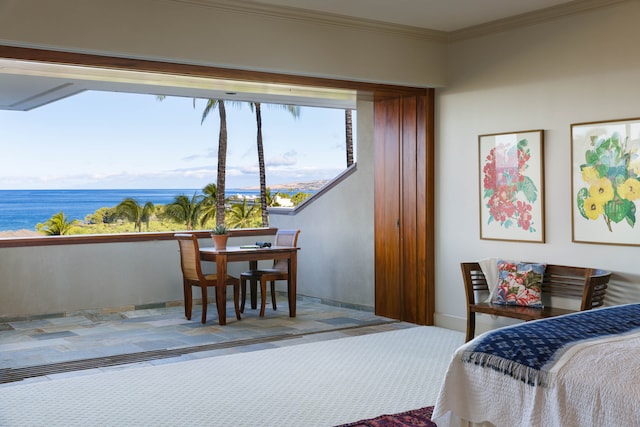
(23, 209)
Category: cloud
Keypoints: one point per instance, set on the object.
(249, 169)
(289, 158)
(282, 172)
(210, 153)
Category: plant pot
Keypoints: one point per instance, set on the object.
(220, 241)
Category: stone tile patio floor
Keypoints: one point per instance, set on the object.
(41, 349)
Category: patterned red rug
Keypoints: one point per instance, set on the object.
(416, 418)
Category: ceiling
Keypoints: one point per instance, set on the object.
(439, 15)
(25, 86)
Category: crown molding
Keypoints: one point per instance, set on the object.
(294, 14)
(249, 7)
(531, 18)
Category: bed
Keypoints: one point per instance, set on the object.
(580, 369)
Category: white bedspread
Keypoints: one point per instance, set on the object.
(595, 384)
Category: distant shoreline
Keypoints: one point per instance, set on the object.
(295, 186)
(20, 233)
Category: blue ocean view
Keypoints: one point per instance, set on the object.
(23, 209)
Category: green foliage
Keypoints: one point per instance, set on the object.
(298, 198)
(220, 229)
(102, 216)
(134, 212)
(57, 225)
(208, 204)
(244, 215)
(185, 210)
(271, 199)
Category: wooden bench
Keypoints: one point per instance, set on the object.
(587, 284)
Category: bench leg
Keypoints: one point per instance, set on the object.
(471, 325)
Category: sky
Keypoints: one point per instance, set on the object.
(114, 140)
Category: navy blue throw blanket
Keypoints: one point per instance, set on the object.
(529, 350)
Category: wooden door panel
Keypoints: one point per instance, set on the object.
(388, 299)
(404, 158)
(409, 232)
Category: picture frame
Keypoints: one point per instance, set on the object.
(605, 182)
(512, 186)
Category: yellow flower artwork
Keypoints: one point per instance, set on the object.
(606, 181)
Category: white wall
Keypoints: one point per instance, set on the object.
(576, 69)
(336, 260)
(217, 33)
(40, 280)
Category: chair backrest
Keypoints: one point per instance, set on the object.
(189, 256)
(474, 280)
(288, 238)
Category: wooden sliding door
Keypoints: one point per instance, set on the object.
(404, 226)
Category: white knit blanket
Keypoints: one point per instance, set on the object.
(595, 384)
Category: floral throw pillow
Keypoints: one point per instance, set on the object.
(519, 284)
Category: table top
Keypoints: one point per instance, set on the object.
(248, 249)
(236, 253)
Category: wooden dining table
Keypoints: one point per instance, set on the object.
(252, 255)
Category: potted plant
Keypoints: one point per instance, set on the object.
(220, 234)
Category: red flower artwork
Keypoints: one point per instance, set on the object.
(508, 191)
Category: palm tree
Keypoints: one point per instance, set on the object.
(349, 134)
(58, 225)
(222, 153)
(295, 112)
(271, 199)
(208, 203)
(242, 215)
(135, 212)
(185, 210)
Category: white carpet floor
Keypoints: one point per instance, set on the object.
(316, 384)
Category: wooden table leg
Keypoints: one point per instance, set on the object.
(253, 265)
(291, 283)
(221, 289)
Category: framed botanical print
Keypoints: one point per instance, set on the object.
(512, 186)
(605, 182)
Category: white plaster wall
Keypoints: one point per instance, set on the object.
(336, 260)
(576, 69)
(39, 280)
(218, 34)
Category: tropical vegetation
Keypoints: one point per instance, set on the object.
(130, 209)
(196, 211)
(185, 210)
(57, 225)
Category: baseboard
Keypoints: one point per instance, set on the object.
(448, 321)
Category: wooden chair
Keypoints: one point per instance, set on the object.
(192, 276)
(279, 271)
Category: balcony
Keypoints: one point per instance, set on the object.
(55, 276)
